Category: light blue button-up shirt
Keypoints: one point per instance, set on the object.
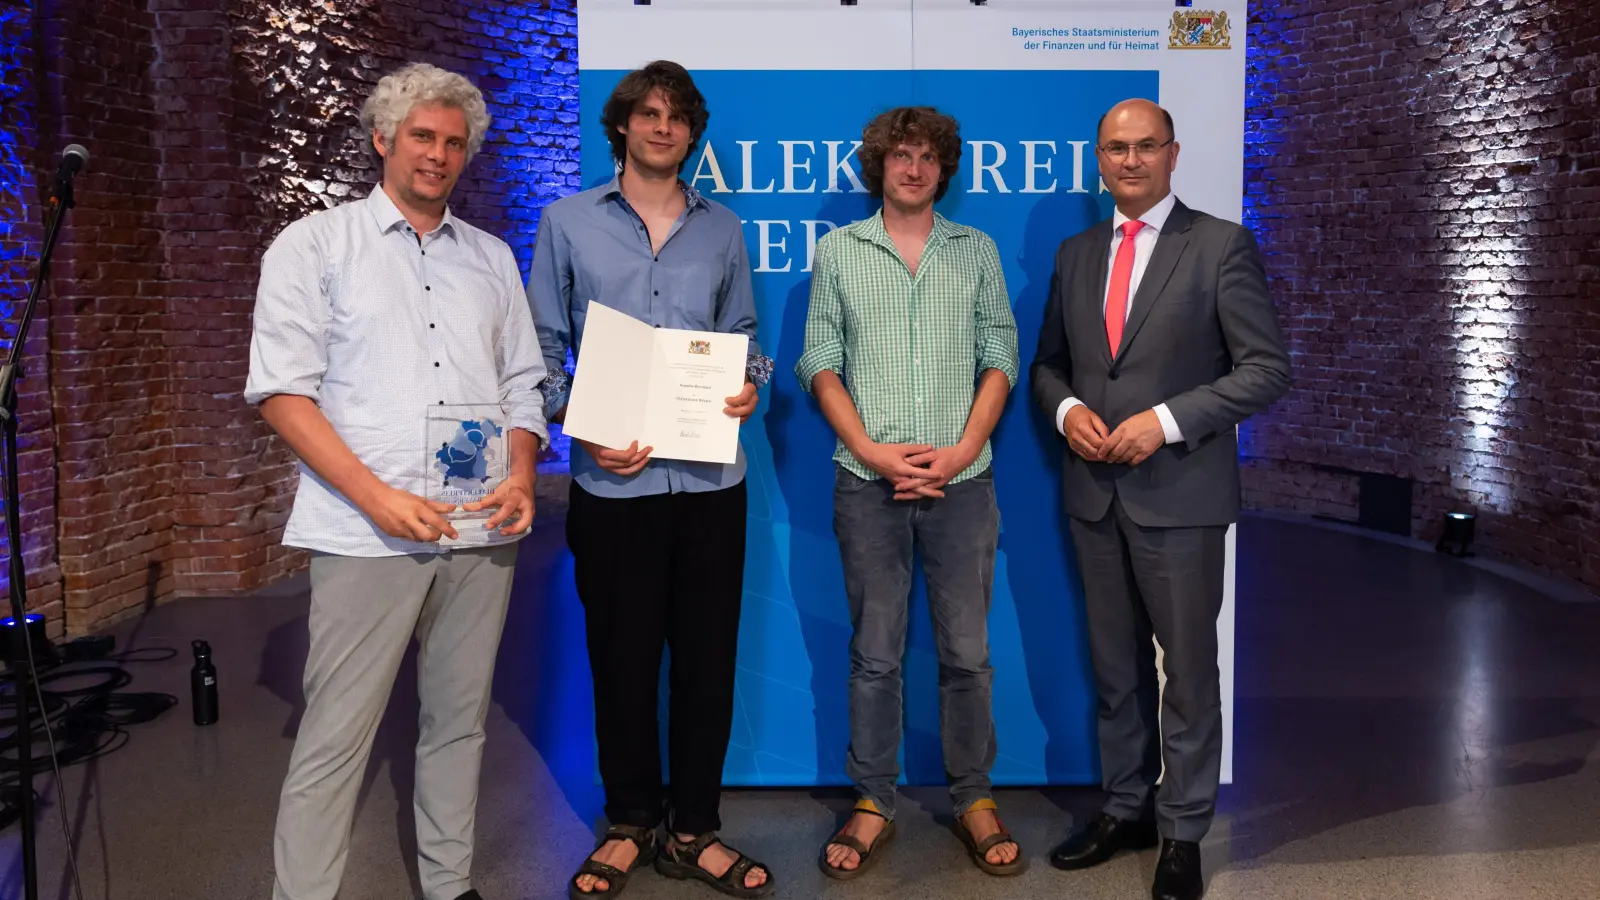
(593, 246)
(375, 325)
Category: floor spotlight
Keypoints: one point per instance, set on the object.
(1458, 532)
(12, 652)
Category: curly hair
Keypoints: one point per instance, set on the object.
(675, 84)
(428, 85)
(910, 125)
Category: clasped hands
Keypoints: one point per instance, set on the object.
(916, 470)
(631, 460)
(1132, 442)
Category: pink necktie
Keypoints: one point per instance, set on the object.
(1121, 275)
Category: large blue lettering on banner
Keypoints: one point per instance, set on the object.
(779, 151)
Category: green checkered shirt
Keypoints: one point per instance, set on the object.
(909, 350)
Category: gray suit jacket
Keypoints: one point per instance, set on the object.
(1202, 337)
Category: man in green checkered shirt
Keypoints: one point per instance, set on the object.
(910, 350)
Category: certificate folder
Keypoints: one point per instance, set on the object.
(663, 387)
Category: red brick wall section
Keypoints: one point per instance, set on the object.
(22, 211)
(108, 364)
(212, 124)
(227, 515)
(1425, 179)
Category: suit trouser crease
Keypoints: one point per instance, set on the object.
(958, 536)
(364, 613)
(655, 573)
(1164, 583)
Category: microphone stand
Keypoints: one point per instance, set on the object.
(20, 654)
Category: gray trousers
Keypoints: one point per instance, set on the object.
(1165, 582)
(958, 536)
(363, 615)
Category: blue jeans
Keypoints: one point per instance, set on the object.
(958, 536)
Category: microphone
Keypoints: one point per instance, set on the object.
(73, 160)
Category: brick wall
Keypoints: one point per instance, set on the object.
(212, 125)
(1406, 165)
(1425, 179)
(21, 232)
(109, 379)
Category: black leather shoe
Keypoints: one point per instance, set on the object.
(1178, 872)
(470, 895)
(1102, 840)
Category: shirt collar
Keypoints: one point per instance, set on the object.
(691, 196)
(873, 229)
(388, 216)
(1156, 218)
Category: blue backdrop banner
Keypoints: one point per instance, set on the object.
(780, 151)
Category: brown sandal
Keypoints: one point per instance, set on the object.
(682, 862)
(616, 879)
(867, 854)
(979, 850)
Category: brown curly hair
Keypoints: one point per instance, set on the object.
(675, 83)
(910, 125)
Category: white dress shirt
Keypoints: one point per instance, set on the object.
(375, 324)
(1144, 244)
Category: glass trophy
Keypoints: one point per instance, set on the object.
(468, 455)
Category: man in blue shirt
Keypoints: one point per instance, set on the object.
(658, 545)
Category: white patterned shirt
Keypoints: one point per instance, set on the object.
(375, 325)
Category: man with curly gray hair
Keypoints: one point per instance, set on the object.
(376, 323)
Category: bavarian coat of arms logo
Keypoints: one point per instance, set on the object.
(1199, 30)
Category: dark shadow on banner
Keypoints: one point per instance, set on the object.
(1040, 566)
(802, 454)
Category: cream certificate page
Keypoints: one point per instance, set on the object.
(663, 387)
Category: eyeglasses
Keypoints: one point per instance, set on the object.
(1147, 150)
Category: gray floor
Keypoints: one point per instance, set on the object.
(1407, 727)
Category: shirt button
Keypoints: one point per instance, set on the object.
(430, 324)
(427, 287)
(436, 365)
(657, 293)
(441, 402)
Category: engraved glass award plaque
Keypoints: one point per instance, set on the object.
(467, 458)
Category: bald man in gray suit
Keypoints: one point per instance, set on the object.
(1159, 338)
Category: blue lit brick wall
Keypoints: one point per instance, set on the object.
(21, 234)
(1263, 138)
(1425, 180)
(528, 69)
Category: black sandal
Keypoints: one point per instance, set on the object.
(979, 850)
(616, 879)
(865, 852)
(682, 861)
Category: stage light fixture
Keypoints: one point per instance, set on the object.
(1456, 539)
(44, 653)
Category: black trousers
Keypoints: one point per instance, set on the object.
(661, 571)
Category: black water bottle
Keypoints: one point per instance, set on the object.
(203, 685)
